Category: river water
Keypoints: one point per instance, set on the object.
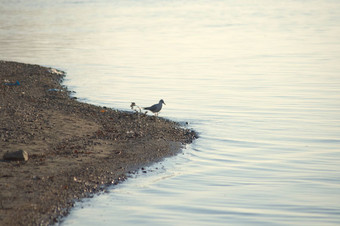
(258, 80)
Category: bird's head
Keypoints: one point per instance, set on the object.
(162, 101)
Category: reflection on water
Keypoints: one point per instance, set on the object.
(258, 80)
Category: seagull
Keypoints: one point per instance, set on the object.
(156, 107)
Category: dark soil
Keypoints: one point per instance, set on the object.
(75, 149)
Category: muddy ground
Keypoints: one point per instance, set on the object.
(75, 149)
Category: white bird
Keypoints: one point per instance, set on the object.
(156, 107)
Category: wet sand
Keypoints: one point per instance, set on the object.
(75, 149)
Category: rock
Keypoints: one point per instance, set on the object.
(36, 178)
(16, 156)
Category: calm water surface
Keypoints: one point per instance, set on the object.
(259, 80)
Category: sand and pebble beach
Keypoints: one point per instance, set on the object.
(66, 149)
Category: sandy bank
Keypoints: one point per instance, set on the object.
(75, 149)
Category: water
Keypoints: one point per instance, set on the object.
(259, 80)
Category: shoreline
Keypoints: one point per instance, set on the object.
(74, 149)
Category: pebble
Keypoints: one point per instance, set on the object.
(16, 156)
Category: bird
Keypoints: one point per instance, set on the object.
(156, 107)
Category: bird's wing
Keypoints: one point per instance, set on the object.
(152, 108)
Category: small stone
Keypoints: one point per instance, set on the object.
(16, 156)
(36, 178)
